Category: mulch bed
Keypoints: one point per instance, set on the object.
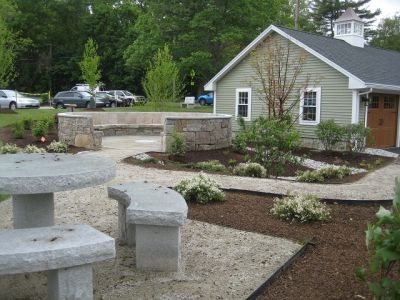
(222, 155)
(326, 270)
(344, 158)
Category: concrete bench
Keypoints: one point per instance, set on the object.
(149, 218)
(130, 129)
(66, 251)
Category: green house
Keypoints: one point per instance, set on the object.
(346, 80)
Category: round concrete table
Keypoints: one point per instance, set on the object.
(32, 180)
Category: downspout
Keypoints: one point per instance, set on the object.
(366, 107)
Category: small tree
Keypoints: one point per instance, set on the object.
(162, 82)
(90, 64)
(7, 56)
(277, 71)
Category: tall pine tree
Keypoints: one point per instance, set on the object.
(325, 12)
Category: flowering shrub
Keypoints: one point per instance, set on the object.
(57, 147)
(356, 136)
(9, 149)
(33, 149)
(300, 208)
(250, 169)
(324, 173)
(201, 189)
(211, 166)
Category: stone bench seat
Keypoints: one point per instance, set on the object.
(129, 129)
(66, 251)
(149, 218)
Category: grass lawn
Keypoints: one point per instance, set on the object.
(36, 114)
(3, 197)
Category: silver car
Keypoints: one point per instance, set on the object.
(12, 99)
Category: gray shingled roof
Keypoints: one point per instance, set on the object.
(371, 65)
(349, 15)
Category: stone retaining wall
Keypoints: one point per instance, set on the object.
(202, 131)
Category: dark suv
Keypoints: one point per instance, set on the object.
(81, 99)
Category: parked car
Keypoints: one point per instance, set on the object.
(139, 99)
(206, 98)
(81, 99)
(107, 99)
(13, 99)
(125, 96)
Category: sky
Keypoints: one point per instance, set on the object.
(388, 7)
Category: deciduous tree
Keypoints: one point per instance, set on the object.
(90, 64)
(388, 34)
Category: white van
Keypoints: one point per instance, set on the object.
(83, 87)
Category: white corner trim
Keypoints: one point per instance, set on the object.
(215, 102)
(210, 86)
(398, 123)
(355, 107)
(318, 106)
(238, 90)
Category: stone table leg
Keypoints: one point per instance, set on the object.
(71, 283)
(158, 248)
(35, 210)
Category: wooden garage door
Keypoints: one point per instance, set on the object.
(382, 119)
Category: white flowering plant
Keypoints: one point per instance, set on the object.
(57, 147)
(33, 149)
(10, 149)
(250, 169)
(300, 208)
(201, 189)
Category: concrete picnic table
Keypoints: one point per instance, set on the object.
(32, 179)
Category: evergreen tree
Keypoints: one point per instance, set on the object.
(325, 12)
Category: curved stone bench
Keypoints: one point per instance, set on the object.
(150, 217)
(130, 129)
(66, 251)
(202, 131)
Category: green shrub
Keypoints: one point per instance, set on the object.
(329, 134)
(18, 130)
(40, 129)
(33, 149)
(28, 122)
(232, 163)
(57, 147)
(176, 145)
(324, 173)
(200, 189)
(273, 141)
(356, 136)
(211, 166)
(10, 149)
(300, 208)
(239, 142)
(250, 169)
(382, 241)
(50, 123)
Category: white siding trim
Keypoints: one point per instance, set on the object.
(318, 110)
(355, 108)
(215, 102)
(247, 90)
(398, 124)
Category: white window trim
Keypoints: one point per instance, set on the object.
(246, 90)
(318, 103)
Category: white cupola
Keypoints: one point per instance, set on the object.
(350, 28)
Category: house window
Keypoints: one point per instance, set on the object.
(343, 29)
(358, 29)
(310, 106)
(374, 102)
(388, 102)
(243, 103)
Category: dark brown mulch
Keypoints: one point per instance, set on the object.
(343, 158)
(7, 136)
(326, 270)
(222, 155)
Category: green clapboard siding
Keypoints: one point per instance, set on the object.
(336, 97)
